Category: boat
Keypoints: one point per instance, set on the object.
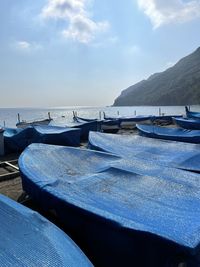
(85, 128)
(130, 122)
(24, 123)
(16, 139)
(158, 151)
(192, 114)
(188, 123)
(173, 134)
(134, 219)
(108, 126)
(28, 239)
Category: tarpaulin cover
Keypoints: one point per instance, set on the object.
(160, 206)
(86, 127)
(28, 239)
(56, 135)
(17, 140)
(174, 134)
(163, 152)
(193, 124)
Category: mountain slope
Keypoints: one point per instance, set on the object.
(178, 85)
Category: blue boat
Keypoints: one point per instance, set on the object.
(85, 128)
(186, 123)
(108, 126)
(130, 122)
(56, 135)
(192, 114)
(28, 239)
(173, 134)
(156, 151)
(133, 219)
(17, 140)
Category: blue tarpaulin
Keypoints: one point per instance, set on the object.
(17, 140)
(173, 134)
(28, 239)
(167, 153)
(128, 217)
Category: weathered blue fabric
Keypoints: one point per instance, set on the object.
(28, 239)
(17, 140)
(173, 134)
(143, 215)
(192, 114)
(167, 153)
(191, 124)
(56, 135)
(86, 127)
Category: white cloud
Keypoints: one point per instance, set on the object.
(163, 12)
(26, 46)
(81, 27)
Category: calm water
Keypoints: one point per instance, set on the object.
(64, 115)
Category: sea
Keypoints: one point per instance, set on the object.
(64, 115)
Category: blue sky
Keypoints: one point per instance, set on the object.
(85, 52)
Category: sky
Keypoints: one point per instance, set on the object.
(85, 52)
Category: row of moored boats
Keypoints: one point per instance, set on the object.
(125, 200)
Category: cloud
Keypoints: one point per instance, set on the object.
(26, 46)
(163, 12)
(80, 26)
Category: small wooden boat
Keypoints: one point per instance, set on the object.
(174, 134)
(163, 152)
(192, 114)
(28, 239)
(136, 216)
(24, 124)
(188, 123)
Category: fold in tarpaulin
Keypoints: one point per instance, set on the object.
(17, 140)
(134, 214)
(28, 239)
(163, 152)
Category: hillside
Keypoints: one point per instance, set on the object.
(178, 85)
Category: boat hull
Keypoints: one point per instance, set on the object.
(111, 208)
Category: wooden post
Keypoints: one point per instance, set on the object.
(100, 115)
(135, 112)
(159, 111)
(18, 117)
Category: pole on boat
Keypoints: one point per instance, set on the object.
(4, 124)
(18, 116)
(100, 115)
(135, 112)
(49, 115)
(159, 111)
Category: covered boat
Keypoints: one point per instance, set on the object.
(174, 134)
(163, 152)
(111, 126)
(130, 122)
(56, 135)
(121, 217)
(192, 114)
(24, 124)
(17, 140)
(28, 239)
(85, 128)
(186, 123)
